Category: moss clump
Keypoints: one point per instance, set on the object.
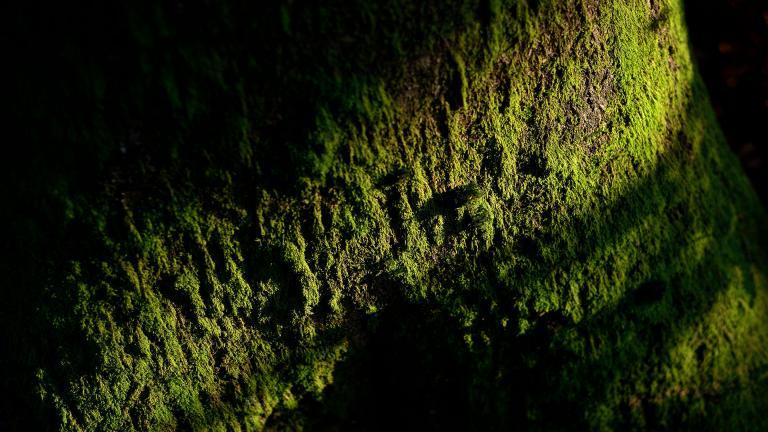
(249, 217)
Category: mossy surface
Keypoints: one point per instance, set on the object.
(488, 215)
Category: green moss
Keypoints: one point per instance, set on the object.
(536, 190)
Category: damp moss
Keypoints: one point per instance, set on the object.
(544, 179)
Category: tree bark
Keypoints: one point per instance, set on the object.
(465, 214)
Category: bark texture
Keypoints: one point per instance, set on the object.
(483, 215)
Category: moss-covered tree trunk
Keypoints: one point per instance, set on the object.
(445, 214)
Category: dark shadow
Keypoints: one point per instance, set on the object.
(413, 371)
(730, 42)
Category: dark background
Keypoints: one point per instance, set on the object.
(730, 42)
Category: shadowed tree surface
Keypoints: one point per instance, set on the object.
(484, 215)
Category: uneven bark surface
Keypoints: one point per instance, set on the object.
(466, 214)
